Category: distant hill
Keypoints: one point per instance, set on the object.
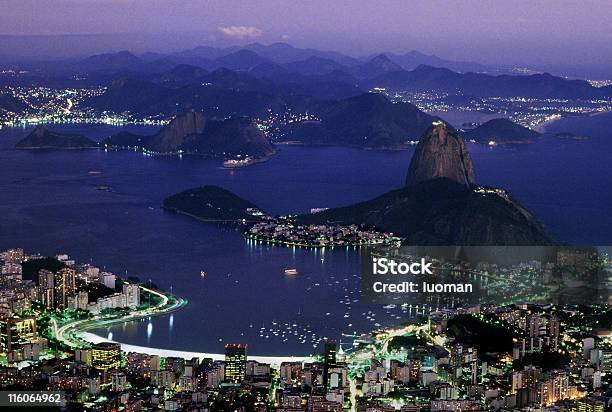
(122, 60)
(192, 133)
(211, 203)
(181, 75)
(427, 78)
(31, 267)
(42, 138)
(261, 85)
(285, 53)
(314, 66)
(369, 120)
(501, 131)
(240, 60)
(414, 59)
(132, 95)
(377, 66)
(148, 98)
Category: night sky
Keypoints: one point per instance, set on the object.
(545, 33)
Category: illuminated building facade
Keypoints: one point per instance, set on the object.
(329, 362)
(235, 362)
(16, 332)
(64, 286)
(106, 355)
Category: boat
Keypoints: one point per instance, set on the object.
(234, 163)
(290, 271)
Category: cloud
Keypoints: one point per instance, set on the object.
(241, 32)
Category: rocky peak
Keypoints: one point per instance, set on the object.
(175, 134)
(383, 62)
(440, 153)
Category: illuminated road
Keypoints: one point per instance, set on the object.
(71, 333)
(74, 333)
(378, 349)
(68, 108)
(272, 360)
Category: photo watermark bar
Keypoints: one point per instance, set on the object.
(501, 275)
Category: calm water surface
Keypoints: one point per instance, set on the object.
(52, 204)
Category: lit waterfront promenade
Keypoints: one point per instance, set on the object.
(74, 332)
(273, 360)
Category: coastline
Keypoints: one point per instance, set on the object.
(201, 219)
(272, 360)
(544, 125)
(76, 333)
(72, 333)
(395, 148)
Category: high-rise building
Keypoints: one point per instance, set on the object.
(83, 356)
(107, 279)
(16, 332)
(45, 288)
(553, 332)
(329, 362)
(118, 381)
(64, 285)
(132, 295)
(587, 345)
(534, 322)
(606, 361)
(553, 389)
(106, 355)
(591, 405)
(12, 255)
(596, 379)
(235, 362)
(527, 378)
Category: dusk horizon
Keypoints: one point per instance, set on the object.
(274, 206)
(540, 35)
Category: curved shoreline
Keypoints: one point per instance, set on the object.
(76, 333)
(71, 333)
(126, 347)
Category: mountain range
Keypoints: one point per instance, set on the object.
(250, 55)
(427, 78)
(363, 119)
(280, 61)
(255, 85)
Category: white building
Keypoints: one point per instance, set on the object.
(132, 295)
(108, 279)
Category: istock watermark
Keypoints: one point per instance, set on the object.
(501, 275)
(383, 266)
